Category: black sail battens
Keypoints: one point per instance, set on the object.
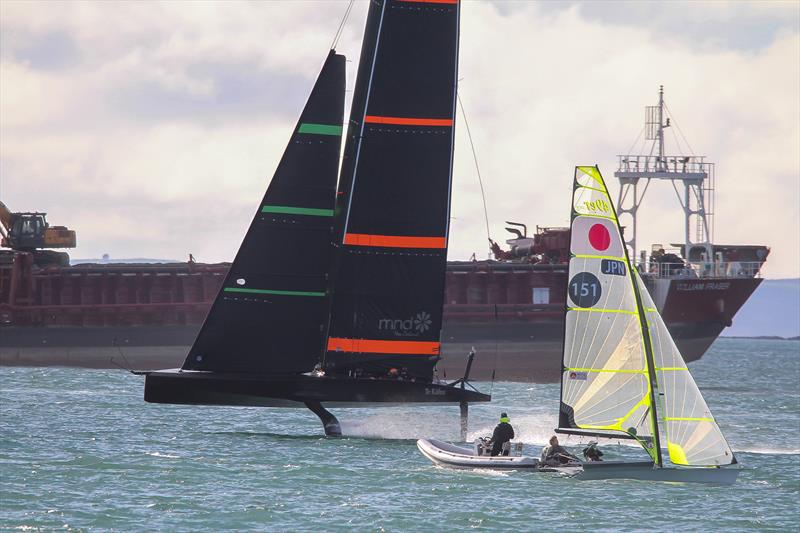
(392, 214)
(269, 313)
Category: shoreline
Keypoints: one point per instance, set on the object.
(761, 337)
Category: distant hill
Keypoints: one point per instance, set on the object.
(772, 310)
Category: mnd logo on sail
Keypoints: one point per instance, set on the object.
(410, 327)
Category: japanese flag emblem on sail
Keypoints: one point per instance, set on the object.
(596, 236)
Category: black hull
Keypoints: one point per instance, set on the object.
(201, 388)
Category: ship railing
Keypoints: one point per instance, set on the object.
(715, 269)
(665, 164)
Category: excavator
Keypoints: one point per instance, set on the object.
(30, 233)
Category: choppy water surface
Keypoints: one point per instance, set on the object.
(80, 450)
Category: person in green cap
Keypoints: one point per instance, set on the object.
(502, 434)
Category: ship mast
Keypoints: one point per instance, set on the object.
(696, 175)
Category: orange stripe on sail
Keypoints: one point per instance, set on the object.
(408, 121)
(430, 1)
(394, 241)
(375, 346)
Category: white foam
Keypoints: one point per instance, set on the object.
(534, 428)
(163, 455)
(531, 428)
(769, 451)
(487, 472)
(439, 425)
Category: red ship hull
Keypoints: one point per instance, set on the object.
(146, 316)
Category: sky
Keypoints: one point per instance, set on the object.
(153, 128)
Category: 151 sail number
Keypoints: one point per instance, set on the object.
(585, 289)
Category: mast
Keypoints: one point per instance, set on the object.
(648, 348)
(651, 365)
(661, 124)
(696, 175)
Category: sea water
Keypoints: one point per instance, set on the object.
(80, 450)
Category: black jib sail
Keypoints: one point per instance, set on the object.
(393, 203)
(269, 316)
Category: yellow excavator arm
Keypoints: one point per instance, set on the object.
(30, 231)
(5, 219)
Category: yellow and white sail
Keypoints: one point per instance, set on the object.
(605, 380)
(614, 365)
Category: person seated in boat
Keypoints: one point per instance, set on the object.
(555, 454)
(592, 452)
(502, 433)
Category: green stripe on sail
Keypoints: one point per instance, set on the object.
(289, 210)
(612, 219)
(586, 256)
(276, 292)
(593, 189)
(320, 129)
(592, 310)
(611, 370)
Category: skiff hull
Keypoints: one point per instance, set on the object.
(206, 388)
(646, 471)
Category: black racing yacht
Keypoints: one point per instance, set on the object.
(335, 296)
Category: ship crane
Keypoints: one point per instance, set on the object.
(694, 172)
(30, 232)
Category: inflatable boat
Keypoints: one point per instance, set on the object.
(450, 455)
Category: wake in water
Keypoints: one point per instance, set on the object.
(402, 426)
(769, 451)
(534, 429)
(163, 455)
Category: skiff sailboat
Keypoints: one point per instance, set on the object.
(622, 375)
(335, 296)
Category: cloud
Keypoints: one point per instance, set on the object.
(560, 89)
(153, 128)
(720, 24)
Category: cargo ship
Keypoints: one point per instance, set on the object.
(510, 309)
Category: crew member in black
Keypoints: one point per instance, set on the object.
(502, 434)
(555, 454)
(592, 452)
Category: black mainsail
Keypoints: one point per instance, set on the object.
(393, 206)
(269, 316)
(336, 294)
